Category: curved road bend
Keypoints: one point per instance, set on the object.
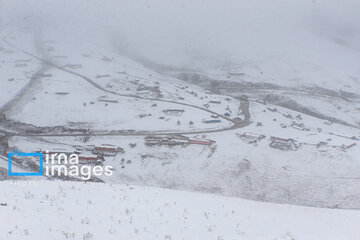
(235, 124)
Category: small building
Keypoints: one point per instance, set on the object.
(43, 75)
(142, 88)
(85, 158)
(321, 144)
(201, 141)
(73, 66)
(62, 93)
(107, 150)
(211, 121)
(284, 144)
(238, 119)
(215, 102)
(179, 136)
(251, 137)
(165, 140)
(102, 76)
(143, 92)
(299, 126)
(174, 112)
(177, 141)
(108, 100)
(88, 157)
(236, 74)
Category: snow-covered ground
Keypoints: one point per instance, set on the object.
(60, 98)
(82, 74)
(326, 176)
(78, 74)
(63, 210)
(64, 100)
(16, 70)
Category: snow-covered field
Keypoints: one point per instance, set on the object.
(325, 176)
(84, 106)
(63, 210)
(60, 98)
(82, 75)
(16, 70)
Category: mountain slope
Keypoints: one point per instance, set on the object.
(63, 210)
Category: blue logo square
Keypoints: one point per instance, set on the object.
(40, 155)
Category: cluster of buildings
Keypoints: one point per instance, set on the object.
(171, 140)
(299, 126)
(107, 150)
(284, 144)
(94, 155)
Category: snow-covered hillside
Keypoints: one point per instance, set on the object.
(252, 107)
(290, 43)
(76, 86)
(62, 210)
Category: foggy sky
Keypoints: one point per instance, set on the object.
(188, 32)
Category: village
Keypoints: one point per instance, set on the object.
(289, 144)
(89, 155)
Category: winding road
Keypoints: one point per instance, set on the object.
(48, 64)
